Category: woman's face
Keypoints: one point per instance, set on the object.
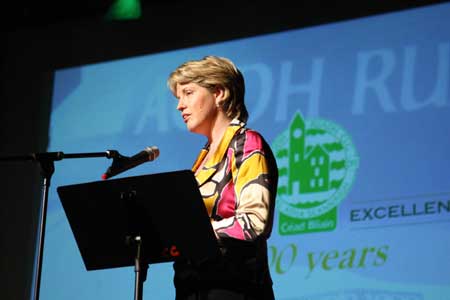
(198, 107)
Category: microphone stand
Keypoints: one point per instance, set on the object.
(46, 161)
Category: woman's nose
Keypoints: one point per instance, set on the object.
(181, 105)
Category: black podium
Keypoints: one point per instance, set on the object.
(137, 221)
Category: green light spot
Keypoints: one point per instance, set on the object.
(124, 10)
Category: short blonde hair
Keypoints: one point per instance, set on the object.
(211, 72)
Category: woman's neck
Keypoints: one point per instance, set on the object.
(217, 131)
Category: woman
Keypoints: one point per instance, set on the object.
(237, 177)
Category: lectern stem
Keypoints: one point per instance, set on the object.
(140, 270)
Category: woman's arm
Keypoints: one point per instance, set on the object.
(252, 182)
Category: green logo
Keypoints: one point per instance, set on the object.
(317, 163)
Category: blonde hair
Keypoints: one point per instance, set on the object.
(211, 72)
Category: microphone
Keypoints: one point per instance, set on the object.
(122, 163)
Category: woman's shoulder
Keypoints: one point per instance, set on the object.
(249, 139)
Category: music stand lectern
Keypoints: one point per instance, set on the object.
(140, 220)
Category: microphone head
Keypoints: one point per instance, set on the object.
(153, 152)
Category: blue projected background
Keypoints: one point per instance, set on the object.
(358, 114)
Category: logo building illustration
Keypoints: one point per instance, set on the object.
(317, 164)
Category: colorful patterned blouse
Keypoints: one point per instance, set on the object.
(238, 184)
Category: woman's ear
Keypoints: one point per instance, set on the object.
(219, 94)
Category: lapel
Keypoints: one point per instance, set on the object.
(213, 163)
